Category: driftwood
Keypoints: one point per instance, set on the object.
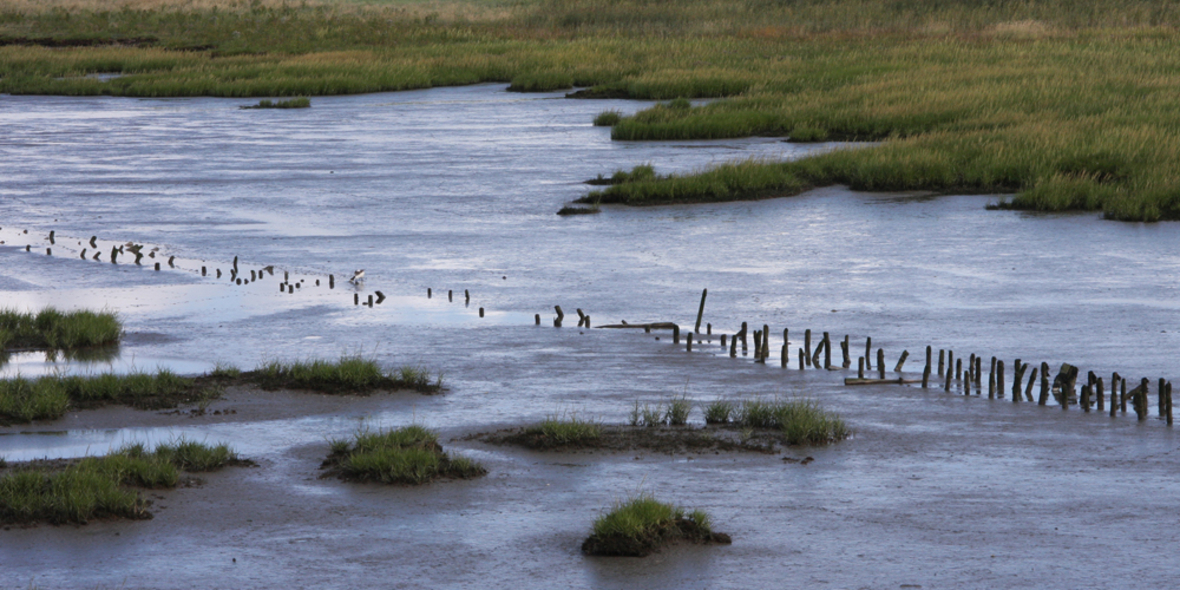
(651, 326)
(898, 381)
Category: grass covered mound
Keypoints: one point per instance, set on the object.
(78, 491)
(801, 422)
(642, 525)
(556, 432)
(351, 374)
(55, 330)
(409, 455)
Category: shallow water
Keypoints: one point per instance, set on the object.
(456, 189)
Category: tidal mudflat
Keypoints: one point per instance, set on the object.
(455, 190)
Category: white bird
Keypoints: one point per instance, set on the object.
(357, 276)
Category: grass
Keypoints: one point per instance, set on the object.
(608, 118)
(719, 412)
(640, 525)
(409, 455)
(677, 411)
(294, 103)
(802, 422)
(1070, 106)
(76, 492)
(567, 210)
(558, 431)
(350, 374)
(56, 330)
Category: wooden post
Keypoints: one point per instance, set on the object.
(757, 345)
(480, 309)
(941, 354)
(929, 357)
(1162, 410)
(1018, 369)
(978, 371)
(949, 373)
(701, 310)
(429, 293)
(926, 377)
(970, 364)
(466, 296)
(537, 319)
(203, 272)
(290, 288)
(356, 298)
(1141, 410)
(847, 352)
(819, 348)
(802, 360)
(1168, 399)
(689, 349)
(709, 330)
(744, 334)
(784, 355)
(450, 295)
(807, 345)
(371, 305)
(158, 266)
(881, 363)
(827, 351)
(1032, 379)
(1000, 379)
(723, 341)
(959, 370)
(765, 342)
(331, 280)
(991, 383)
(869, 352)
(1085, 400)
(733, 346)
(860, 367)
(950, 367)
(901, 361)
(967, 381)
(1044, 399)
(1114, 395)
(1123, 397)
(675, 334)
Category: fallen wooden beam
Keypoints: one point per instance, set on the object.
(898, 381)
(651, 326)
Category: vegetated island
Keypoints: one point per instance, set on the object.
(77, 491)
(754, 425)
(49, 397)
(295, 103)
(410, 455)
(1070, 106)
(51, 329)
(642, 525)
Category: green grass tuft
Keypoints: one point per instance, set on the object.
(294, 103)
(409, 455)
(801, 421)
(55, 330)
(638, 526)
(719, 412)
(351, 374)
(608, 118)
(677, 412)
(557, 431)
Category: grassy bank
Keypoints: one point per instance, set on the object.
(409, 455)
(1071, 105)
(641, 525)
(49, 397)
(56, 330)
(76, 492)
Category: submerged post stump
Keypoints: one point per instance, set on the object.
(765, 343)
(537, 319)
(1085, 401)
(802, 360)
(860, 367)
(723, 339)
(827, 351)
(675, 334)
(901, 361)
(757, 345)
(744, 333)
(480, 309)
(1162, 410)
(959, 370)
(733, 346)
(1123, 397)
(1168, 399)
(1100, 394)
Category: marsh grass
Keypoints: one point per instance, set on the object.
(76, 492)
(800, 421)
(350, 374)
(678, 409)
(48, 397)
(608, 118)
(53, 329)
(1031, 98)
(409, 455)
(719, 412)
(563, 430)
(293, 103)
(640, 525)
(591, 210)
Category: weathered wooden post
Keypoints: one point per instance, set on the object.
(926, 376)
(675, 334)
(757, 345)
(744, 334)
(941, 353)
(466, 296)
(967, 381)
(537, 319)
(929, 357)
(157, 266)
(847, 352)
(429, 293)
(1169, 401)
(370, 304)
(689, 340)
(901, 361)
(807, 345)
(1000, 379)
(356, 298)
(1114, 395)
(1123, 397)
(1085, 401)
(860, 367)
(959, 370)
(1017, 379)
(1100, 390)
(949, 374)
(802, 360)
(765, 342)
(1162, 410)
(290, 289)
(723, 341)
(950, 367)
(480, 310)
(1032, 379)
(1044, 399)
(709, 330)
(827, 351)
(868, 352)
(1142, 399)
(733, 346)
(977, 372)
(881, 363)
(331, 280)
(701, 310)
(784, 355)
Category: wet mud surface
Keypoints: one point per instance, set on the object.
(455, 190)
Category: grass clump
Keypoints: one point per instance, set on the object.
(293, 103)
(48, 397)
(409, 455)
(719, 412)
(558, 431)
(351, 374)
(641, 525)
(567, 210)
(608, 118)
(76, 492)
(55, 330)
(677, 411)
(800, 421)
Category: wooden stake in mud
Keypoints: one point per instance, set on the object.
(675, 334)
(157, 266)
(967, 381)
(947, 385)
(901, 361)
(950, 367)
(802, 360)
(733, 346)
(881, 363)
(1000, 379)
(709, 330)
(827, 351)
(959, 370)
(1168, 399)
(1162, 410)
(757, 345)
(807, 345)
(537, 319)
(560, 316)
(480, 310)
(723, 339)
(1114, 395)
(926, 377)
(844, 347)
(1100, 390)
(1044, 399)
(689, 342)
(1032, 379)
(978, 371)
(991, 383)
(1085, 400)
(941, 367)
(356, 298)
(429, 293)
(929, 357)
(784, 355)
(1018, 379)
(203, 272)
(291, 289)
(970, 364)
(1141, 400)
(450, 295)
(765, 343)
(860, 367)
(744, 334)
(869, 352)
(701, 310)
(1123, 397)
(331, 280)
(370, 304)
